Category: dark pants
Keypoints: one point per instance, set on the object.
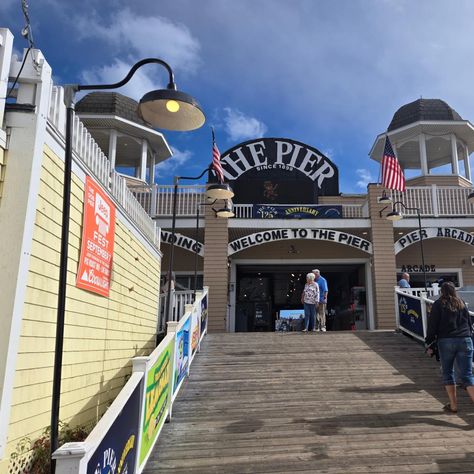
(309, 316)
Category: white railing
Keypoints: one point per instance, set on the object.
(179, 301)
(243, 211)
(88, 152)
(436, 201)
(157, 200)
(126, 435)
(412, 310)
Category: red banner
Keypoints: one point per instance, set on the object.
(97, 249)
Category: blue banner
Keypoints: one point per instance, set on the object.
(310, 211)
(183, 339)
(410, 314)
(117, 452)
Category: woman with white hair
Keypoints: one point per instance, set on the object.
(310, 299)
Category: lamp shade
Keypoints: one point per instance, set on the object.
(219, 191)
(171, 110)
(470, 198)
(384, 199)
(226, 211)
(394, 216)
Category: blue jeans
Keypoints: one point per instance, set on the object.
(309, 316)
(457, 349)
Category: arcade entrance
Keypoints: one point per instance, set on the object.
(265, 293)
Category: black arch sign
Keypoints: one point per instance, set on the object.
(274, 235)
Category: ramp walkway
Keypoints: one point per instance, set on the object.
(347, 402)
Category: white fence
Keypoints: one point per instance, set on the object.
(87, 151)
(412, 310)
(436, 201)
(178, 307)
(125, 436)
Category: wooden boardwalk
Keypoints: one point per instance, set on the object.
(314, 403)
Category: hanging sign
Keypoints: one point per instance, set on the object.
(433, 233)
(274, 235)
(264, 211)
(97, 248)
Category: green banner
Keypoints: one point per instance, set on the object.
(157, 399)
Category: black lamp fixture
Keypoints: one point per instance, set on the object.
(168, 109)
(470, 198)
(395, 215)
(196, 252)
(384, 199)
(214, 192)
(225, 211)
(218, 191)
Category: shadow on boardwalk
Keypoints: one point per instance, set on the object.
(341, 402)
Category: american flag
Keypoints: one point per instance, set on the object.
(392, 174)
(216, 160)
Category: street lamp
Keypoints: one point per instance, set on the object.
(169, 109)
(470, 198)
(395, 215)
(214, 192)
(225, 212)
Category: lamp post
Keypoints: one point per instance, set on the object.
(168, 109)
(215, 191)
(395, 215)
(224, 212)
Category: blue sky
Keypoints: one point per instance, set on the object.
(330, 73)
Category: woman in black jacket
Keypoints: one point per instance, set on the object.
(449, 324)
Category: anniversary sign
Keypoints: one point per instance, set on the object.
(279, 171)
(289, 234)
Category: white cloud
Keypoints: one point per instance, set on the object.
(136, 88)
(241, 127)
(146, 36)
(365, 177)
(179, 158)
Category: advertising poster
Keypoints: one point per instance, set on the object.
(157, 398)
(182, 353)
(97, 247)
(204, 314)
(262, 211)
(117, 452)
(195, 328)
(410, 314)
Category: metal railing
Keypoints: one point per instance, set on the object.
(88, 152)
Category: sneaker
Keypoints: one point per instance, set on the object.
(314, 330)
(323, 329)
(304, 330)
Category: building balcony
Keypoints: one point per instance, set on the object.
(433, 201)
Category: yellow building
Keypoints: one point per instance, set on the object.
(102, 334)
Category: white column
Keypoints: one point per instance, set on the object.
(6, 48)
(152, 168)
(454, 155)
(144, 160)
(467, 164)
(112, 148)
(423, 159)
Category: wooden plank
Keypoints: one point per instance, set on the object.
(334, 403)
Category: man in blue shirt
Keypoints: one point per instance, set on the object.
(404, 281)
(323, 299)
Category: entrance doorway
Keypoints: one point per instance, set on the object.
(266, 292)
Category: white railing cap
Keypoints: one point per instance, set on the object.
(70, 450)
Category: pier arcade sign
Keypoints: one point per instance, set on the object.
(279, 171)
